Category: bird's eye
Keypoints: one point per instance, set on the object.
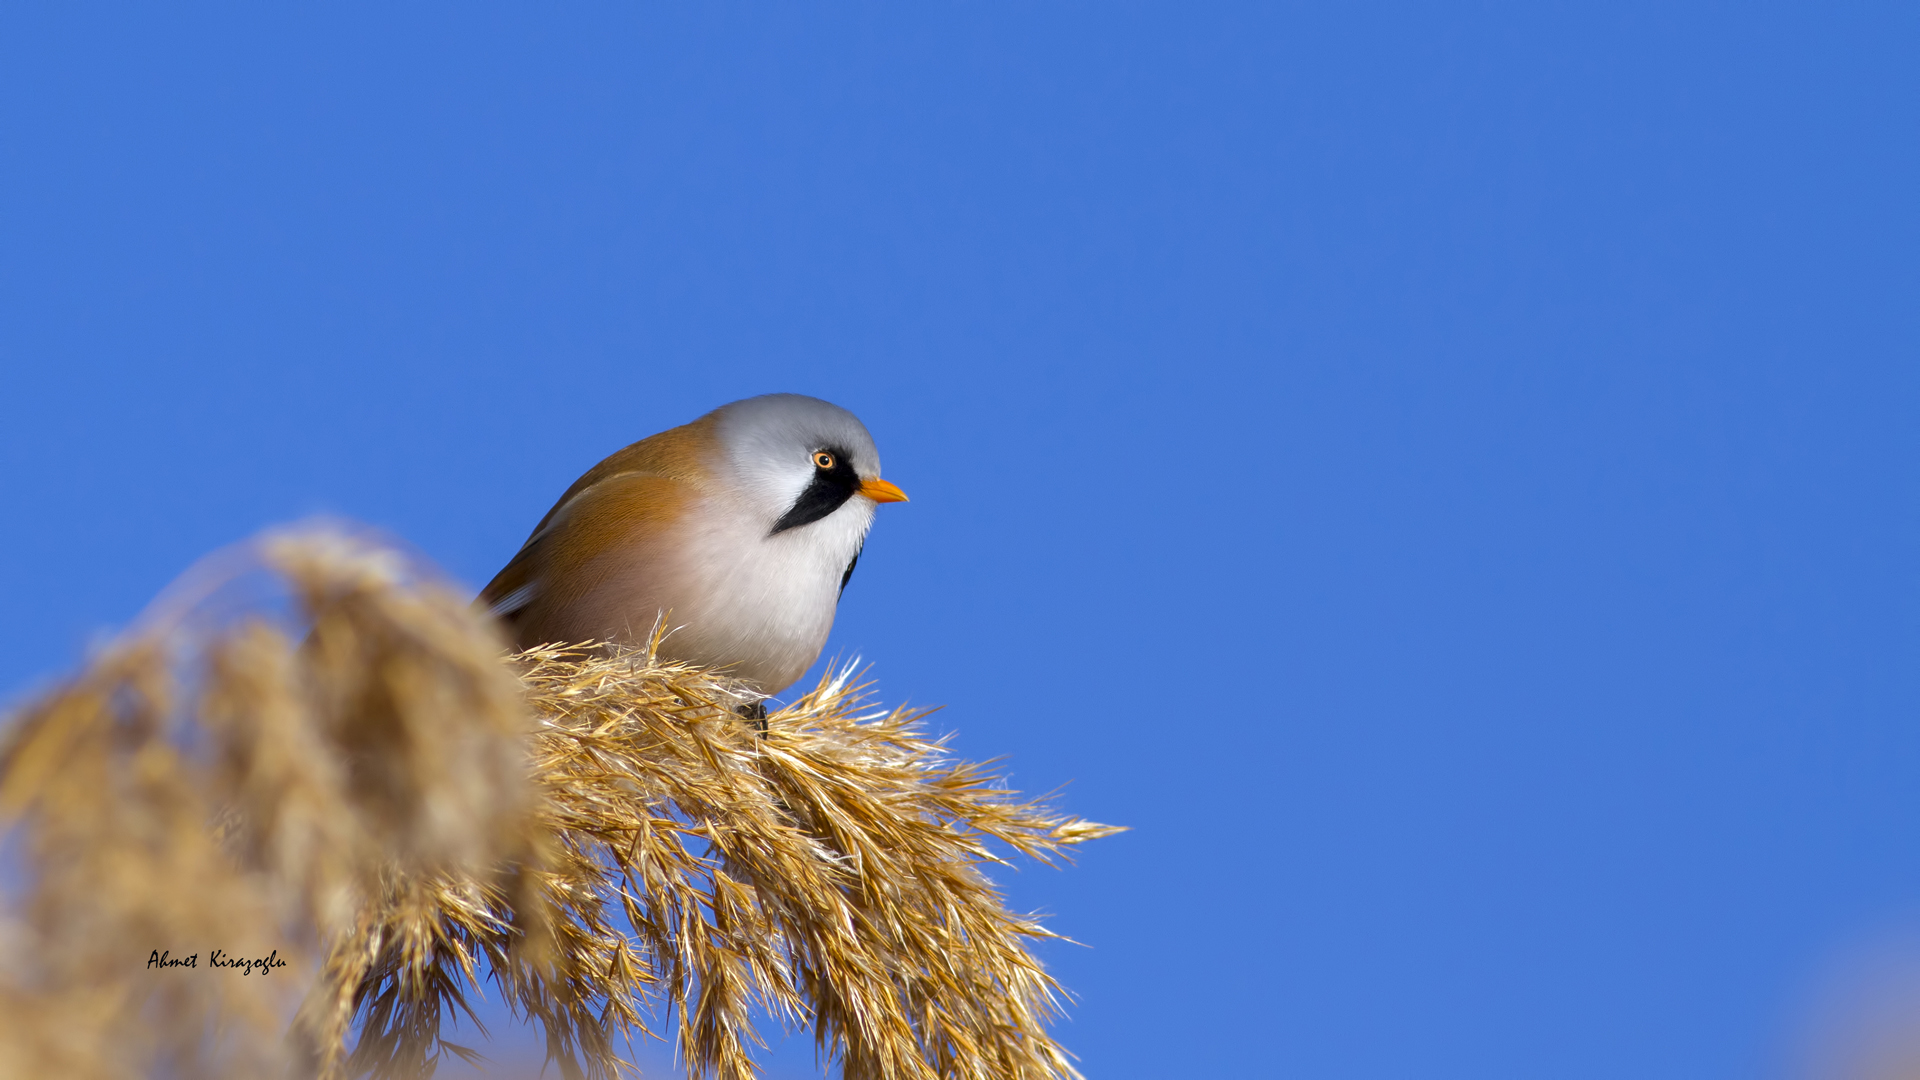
(822, 460)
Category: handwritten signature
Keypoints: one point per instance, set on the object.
(216, 959)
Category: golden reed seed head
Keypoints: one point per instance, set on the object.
(361, 783)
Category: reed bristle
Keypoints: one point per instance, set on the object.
(367, 788)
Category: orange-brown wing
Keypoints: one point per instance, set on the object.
(678, 454)
(561, 564)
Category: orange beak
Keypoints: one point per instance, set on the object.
(880, 491)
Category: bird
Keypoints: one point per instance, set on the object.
(735, 534)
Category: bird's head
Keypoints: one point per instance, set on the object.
(799, 460)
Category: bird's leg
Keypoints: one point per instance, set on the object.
(755, 713)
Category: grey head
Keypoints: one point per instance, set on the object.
(798, 459)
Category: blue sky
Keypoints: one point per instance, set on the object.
(1444, 474)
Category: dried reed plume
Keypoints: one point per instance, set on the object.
(346, 776)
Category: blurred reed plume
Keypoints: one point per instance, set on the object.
(346, 777)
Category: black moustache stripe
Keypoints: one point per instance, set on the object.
(828, 491)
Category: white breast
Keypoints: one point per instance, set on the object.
(761, 605)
